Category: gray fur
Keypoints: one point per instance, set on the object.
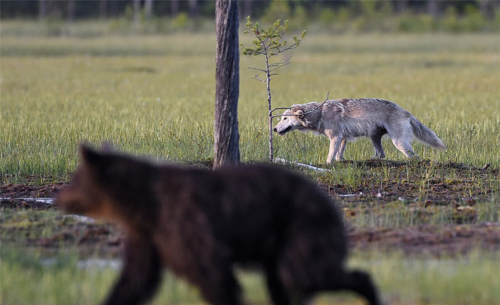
(345, 119)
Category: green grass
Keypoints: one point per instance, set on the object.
(154, 95)
(434, 281)
(62, 280)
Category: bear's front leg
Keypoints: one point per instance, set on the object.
(141, 273)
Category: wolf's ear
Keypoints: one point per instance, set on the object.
(89, 156)
(299, 113)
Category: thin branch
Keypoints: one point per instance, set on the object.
(304, 113)
(277, 67)
(278, 108)
(290, 47)
(260, 80)
(278, 115)
(320, 105)
(261, 70)
(281, 62)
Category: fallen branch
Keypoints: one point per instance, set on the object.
(314, 168)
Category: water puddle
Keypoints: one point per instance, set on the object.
(97, 263)
(79, 218)
(47, 201)
(30, 199)
(351, 195)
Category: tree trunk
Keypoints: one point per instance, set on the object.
(432, 8)
(193, 8)
(42, 9)
(103, 9)
(148, 9)
(174, 8)
(247, 9)
(113, 8)
(70, 17)
(227, 81)
(487, 8)
(401, 6)
(137, 11)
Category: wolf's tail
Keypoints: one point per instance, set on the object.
(424, 134)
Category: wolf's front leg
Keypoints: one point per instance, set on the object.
(141, 274)
(335, 145)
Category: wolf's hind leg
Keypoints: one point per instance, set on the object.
(340, 154)
(377, 144)
(404, 147)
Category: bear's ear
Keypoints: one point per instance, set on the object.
(299, 113)
(89, 156)
(107, 147)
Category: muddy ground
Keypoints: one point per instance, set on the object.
(464, 232)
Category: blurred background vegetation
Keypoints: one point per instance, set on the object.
(331, 16)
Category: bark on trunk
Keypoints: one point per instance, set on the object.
(193, 8)
(247, 8)
(432, 8)
(113, 8)
(70, 17)
(487, 8)
(148, 9)
(174, 8)
(402, 6)
(226, 135)
(137, 11)
(103, 9)
(42, 9)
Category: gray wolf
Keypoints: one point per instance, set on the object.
(201, 223)
(345, 119)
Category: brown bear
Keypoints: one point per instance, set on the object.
(201, 223)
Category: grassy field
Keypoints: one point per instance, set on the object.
(468, 280)
(154, 96)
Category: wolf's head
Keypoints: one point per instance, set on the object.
(292, 119)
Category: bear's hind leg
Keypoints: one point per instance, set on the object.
(219, 285)
(277, 290)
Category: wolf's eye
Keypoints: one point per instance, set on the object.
(284, 118)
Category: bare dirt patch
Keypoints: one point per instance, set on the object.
(434, 183)
(450, 240)
(455, 187)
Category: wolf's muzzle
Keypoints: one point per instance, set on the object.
(282, 132)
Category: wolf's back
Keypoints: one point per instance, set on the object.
(425, 135)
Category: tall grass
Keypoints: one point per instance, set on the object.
(154, 95)
(66, 280)
(434, 281)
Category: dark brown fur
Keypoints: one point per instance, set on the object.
(200, 223)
